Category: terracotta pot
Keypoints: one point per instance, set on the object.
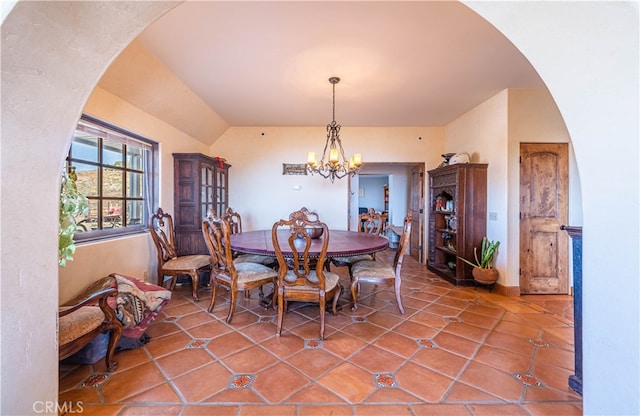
(485, 276)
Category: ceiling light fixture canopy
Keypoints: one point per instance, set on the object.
(336, 164)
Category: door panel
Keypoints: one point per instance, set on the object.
(417, 212)
(543, 208)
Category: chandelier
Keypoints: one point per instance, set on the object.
(336, 164)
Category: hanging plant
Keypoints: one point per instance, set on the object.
(72, 204)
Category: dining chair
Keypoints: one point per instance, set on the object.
(225, 271)
(169, 262)
(369, 222)
(234, 220)
(301, 275)
(374, 271)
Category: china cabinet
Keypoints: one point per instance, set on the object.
(200, 183)
(457, 219)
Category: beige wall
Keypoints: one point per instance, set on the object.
(260, 192)
(482, 133)
(131, 255)
(491, 133)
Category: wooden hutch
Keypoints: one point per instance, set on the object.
(457, 219)
(200, 183)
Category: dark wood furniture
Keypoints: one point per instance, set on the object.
(341, 244)
(200, 184)
(377, 272)
(225, 271)
(457, 219)
(80, 321)
(301, 274)
(170, 262)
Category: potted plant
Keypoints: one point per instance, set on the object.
(72, 204)
(483, 270)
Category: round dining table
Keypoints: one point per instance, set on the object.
(341, 243)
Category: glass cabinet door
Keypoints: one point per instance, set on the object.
(206, 189)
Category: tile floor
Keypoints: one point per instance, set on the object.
(456, 351)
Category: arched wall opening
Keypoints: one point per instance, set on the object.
(44, 92)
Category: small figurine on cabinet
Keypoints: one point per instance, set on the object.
(438, 203)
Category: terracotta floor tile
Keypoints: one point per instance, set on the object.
(279, 382)
(162, 329)
(439, 410)
(496, 410)
(463, 393)
(209, 330)
(183, 361)
(159, 394)
(315, 394)
(542, 409)
(493, 381)
(465, 330)
(102, 410)
(166, 345)
(349, 382)
(260, 331)
(228, 344)
(441, 361)
(238, 396)
(204, 382)
(250, 360)
(195, 319)
(377, 360)
(365, 331)
(392, 395)
(383, 410)
(456, 344)
(415, 330)
(422, 382)
(210, 409)
(343, 345)
(556, 357)
(266, 410)
(456, 351)
(477, 319)
(84, 395)
(506, 361)
(313, 362)
(504, 341)
(385, 320)
(182, 309)
(397, 344)
(430, 319)
(333, 410)
(131, 382)
(283, 347)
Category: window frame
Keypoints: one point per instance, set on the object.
(149, 171)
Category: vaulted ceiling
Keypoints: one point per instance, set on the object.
(263, 63)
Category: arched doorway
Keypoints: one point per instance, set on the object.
(44, 92)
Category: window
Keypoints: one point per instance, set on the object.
(116, 170)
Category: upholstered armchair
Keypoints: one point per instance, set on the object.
(80, 321)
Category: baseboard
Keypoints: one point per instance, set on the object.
(511, 291)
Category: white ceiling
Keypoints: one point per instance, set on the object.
(417, 63)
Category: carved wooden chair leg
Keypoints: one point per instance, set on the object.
(195, 281)
(354, 294)
(214, 290)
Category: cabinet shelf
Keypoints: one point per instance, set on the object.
(458, 191)
(447, 250)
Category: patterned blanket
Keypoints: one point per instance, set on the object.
(138, 303)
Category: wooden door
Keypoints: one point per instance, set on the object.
(417, 211)
(543, 209)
